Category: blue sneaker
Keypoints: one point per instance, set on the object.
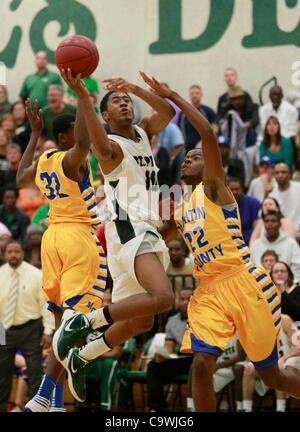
(74, 326)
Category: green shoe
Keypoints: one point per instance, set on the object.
(74, 326)
(75, 366)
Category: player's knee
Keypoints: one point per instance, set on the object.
(238, 370)
(249, 370)
(204, 364)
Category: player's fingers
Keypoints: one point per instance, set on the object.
(69, 74)
(145, 77)
(35, 107)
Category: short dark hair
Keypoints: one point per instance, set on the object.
(61, 124)
(270, 252)
(272, 213)
(10, 188)
(14, 241)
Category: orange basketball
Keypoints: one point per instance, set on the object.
(78, 53)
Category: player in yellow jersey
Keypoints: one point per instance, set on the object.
(234, 295)
(73, 261)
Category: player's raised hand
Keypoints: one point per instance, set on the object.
(155, 86)
(118, 85)
(75, 83)
(35, 116)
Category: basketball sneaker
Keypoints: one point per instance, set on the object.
(74, 326)
(75, 364)
(37, 404)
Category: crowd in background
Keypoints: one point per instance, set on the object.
(260, 151)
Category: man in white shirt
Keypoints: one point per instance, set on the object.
(287, 193)
(261, 186)
(27, 322)
(286, 113)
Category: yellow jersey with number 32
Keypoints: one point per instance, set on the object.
(69, 201)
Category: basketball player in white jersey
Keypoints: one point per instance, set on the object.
(289, 353)
(137, 255)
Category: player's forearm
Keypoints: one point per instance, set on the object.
(81, 134)
(23, 176)
(95, 129)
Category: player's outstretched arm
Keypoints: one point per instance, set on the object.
(103, 148)
(27, 168)
(162, 114)
(211, 154)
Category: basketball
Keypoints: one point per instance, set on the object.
(78, 53)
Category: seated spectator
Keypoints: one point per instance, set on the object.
(286, 113)
(5, 139)
(40, 217)
(246, 109)
(287, 193)
(268, 259)
(179, 265)
(190, 134)
(296, 146)
(161, 370)
(22, 125)
(34, 234)
(248, 207)
(286, 248)
(4, 104)
(283, 277)
(13, 217)
(275, 146)
(47, 145)
(55, 107)
(171, 139)
(268, 204)
(262, 185)
(288, 356)
(13, 156)
(233, 167)
(231, 80)
(5, 237)
(9, 125)
(30, 200)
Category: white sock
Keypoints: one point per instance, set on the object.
(239, 405)
(247, 405)
(94, 349)
(190, 404)
(280, 405)
(97, 318)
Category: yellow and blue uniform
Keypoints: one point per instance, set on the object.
(73, 261)
(234, 295)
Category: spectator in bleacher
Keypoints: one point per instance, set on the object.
(30, 200)
(13, 217)
(162, 370)
(287, 193)
(40, 217)
(268, 259)
(5, 237)
(286, 247)
(283, 277)
(28, 323)
(276, 146)
(47, 145)
(4, 103)
(55, 107)
(289, 355)
(286, 113)
(231, 80)
(262, 185)
(8, 123)
(190, 134)
(233, 167)
(270, 203)
(22, 125)
(248, 207)
(5, 139)
(34, 234)
(13, 156)
(179, 265)
(35, 86)
(171, 139)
